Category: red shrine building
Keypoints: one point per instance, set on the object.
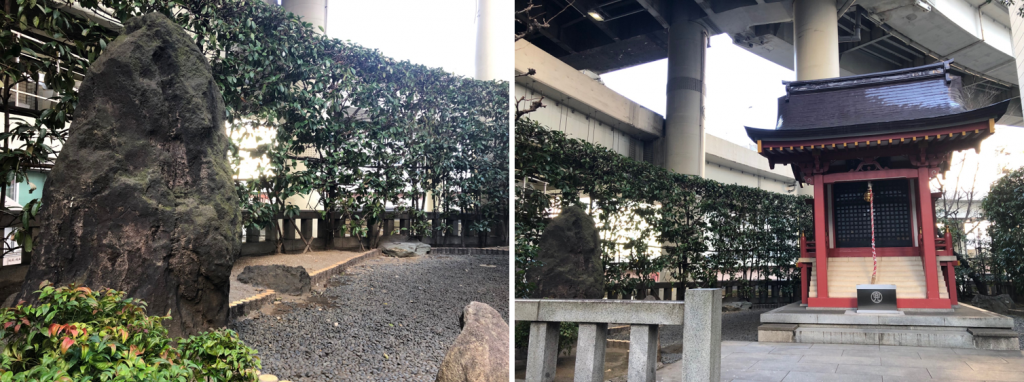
(897, 130)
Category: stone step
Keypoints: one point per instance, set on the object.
(847, 272)
(892, 337)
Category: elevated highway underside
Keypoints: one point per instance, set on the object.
(874, 35)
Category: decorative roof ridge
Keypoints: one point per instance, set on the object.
(938, 69)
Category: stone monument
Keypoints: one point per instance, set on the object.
(141, 197)
(570, 257)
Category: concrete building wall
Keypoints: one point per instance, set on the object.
(1017, 28)
(559, 116)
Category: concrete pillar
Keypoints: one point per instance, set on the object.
(815, 39)
(542, 352)
(311, 11)
(492, 29)
(684, 112)
(702, 335)
(643, 353)
(590, 346)
(1017, 40)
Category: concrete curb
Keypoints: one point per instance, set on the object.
(245, 306)
(467, 251)
(321, 276)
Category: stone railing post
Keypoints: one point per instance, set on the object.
(543, 352)
(643, 352)
(590, 347)
(702, 335)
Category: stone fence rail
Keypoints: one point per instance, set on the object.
(313, 228)
(702, 334)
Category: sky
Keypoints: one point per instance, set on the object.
(432, 33)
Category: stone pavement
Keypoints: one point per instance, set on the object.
(753, 361)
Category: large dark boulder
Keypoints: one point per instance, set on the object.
(281, 278)
(1000, 304)
(480, 352)
(141, 197)
(570, 256)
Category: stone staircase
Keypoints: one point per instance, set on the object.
(906, 272)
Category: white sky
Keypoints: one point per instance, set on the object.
(431, 33)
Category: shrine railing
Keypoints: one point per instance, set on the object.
(701, 317)
(314, 232)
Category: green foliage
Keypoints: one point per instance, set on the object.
(568, 333)
(77, 334)
(360, 129)
(709, 228)
(521, 334)
(222, 355)
(1003, 207)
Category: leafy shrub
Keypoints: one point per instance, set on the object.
(77, 334)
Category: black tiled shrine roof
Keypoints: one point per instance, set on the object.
(910, 99)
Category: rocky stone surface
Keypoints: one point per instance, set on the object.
(736, 306)
(1000, 304)
(387, 320)
(281, 278)
(141, 198)
(570, 256)
(402, 246)
(480, 352)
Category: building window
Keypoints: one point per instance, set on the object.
(892, 214)
(12, 190)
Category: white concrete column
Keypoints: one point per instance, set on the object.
(702, 335)
(815, 39)
(1017, 40)
(684, 110)
(492, 43)
(312, 11)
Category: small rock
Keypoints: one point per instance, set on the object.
(268, 378)
(736, 306)
(1000, 304)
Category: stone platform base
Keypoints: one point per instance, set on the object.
(966, 327)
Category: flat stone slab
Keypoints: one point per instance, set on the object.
(769, 361)
(985, 332)
(778, 327)
(962, 316)
(643, 312)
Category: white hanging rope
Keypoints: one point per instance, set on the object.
(874, 257)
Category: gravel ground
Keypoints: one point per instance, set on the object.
(386, 320)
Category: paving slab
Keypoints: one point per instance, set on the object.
(883, 364)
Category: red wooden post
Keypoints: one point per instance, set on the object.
(820, 236)
(928, 234)
(951, 282)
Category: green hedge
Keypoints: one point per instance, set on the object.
(714, 227)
